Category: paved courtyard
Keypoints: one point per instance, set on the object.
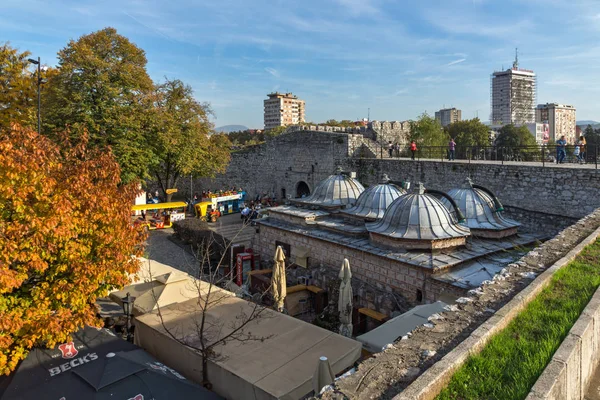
(166, 251)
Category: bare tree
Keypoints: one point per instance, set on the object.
(208, 333)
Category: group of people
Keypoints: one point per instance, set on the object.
(579, 150)
(394, 149)
(250, 213)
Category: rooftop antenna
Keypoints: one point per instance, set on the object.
(368, 114)
(516, 63)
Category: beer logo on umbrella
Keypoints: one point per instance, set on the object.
(68, 350)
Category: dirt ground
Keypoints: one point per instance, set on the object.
(387, 373)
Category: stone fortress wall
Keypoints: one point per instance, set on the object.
(305, 157)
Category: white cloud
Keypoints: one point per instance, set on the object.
(456, 61)
(273, 72)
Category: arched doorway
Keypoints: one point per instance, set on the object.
(302, 189)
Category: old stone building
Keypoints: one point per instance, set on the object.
(415, 250)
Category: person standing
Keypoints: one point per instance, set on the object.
(413, 149)
(577, 152)
(451, 149)
(561, 150)
(396, 149)
(390, 149)
(582, 148)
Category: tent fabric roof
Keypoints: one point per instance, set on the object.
(279, 366)
(375, 340)
(165, 289)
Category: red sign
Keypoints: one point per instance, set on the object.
(68, 350)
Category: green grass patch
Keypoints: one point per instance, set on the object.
(512, 361)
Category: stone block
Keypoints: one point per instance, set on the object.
(569, 353)
(585, 329)
(552, 384)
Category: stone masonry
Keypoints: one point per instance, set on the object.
(306, 157)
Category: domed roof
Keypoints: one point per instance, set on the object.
(373, 202)
(479, 208)
(338, 190)
(418, 217)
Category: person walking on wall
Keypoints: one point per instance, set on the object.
(413, 149)
(582, 149)
(390, 149)
(577, 152)
(396, 149)
(451, 149)
(561, 150)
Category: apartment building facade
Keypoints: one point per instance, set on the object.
(513, 95)
(561, 120)
(446, 116)
(282, 109)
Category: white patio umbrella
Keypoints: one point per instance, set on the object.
(278, 281)
(345, 300)
(323, 375)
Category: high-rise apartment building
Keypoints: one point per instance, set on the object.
(513, 95)
(560, 118)
(283, 109)
(446, 116)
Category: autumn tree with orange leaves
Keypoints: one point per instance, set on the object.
(65, 239)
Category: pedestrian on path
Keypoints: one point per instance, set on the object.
(561, 150)
(413, 149)
(390, 149)
(577, 153)
(451, 148)
(582, 148)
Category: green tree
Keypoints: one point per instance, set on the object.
(181, 142)
(102, 88)
(516, 143)
(431, 139)
(470, 132)
(271, 133)
(17, 88)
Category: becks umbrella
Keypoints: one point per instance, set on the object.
(96, 365)
(278, 281)
(345, 300)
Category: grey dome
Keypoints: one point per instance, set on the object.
(373, 202)
(418, 217)
(338, 190)
(479, 209)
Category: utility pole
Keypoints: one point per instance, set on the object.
(368, 114)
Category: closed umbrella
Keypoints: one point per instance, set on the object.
(278, 281)
(323, 375)
(345, 300)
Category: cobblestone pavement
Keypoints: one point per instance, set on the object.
(162, 249)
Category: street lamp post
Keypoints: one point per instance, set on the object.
(39, 82)
(128, 302)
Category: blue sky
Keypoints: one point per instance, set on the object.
(396, 57)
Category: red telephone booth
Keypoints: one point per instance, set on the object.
(243, 265)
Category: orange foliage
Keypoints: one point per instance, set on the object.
(65, 239)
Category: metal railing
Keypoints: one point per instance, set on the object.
(545, 154)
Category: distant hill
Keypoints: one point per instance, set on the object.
(587, 122)
(231, 128)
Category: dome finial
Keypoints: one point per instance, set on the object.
(468, 183)
(419, 188)
(385, 179)
(339, 170)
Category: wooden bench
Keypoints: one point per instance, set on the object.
(377, 316)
